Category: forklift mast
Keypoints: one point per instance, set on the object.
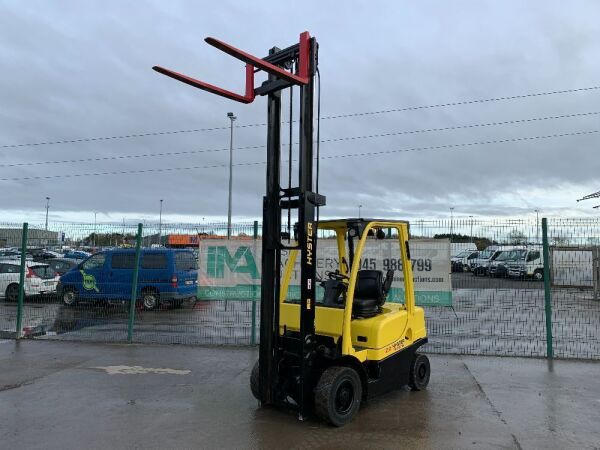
(293, 66)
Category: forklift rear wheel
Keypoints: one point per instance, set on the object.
(338, 395)
(254, 382)
(420, 370)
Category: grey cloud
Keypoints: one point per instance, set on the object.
(77, 70)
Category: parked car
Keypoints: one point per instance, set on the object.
(40, 279)
(460, 262)
(62, 265)
(164, 276)
(9, 254)
(530, 264)
(499, 266)
(76, 254)
(42, 254)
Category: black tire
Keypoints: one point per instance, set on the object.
(538, 275)
(254, 382)
(420, 371)
(69, 297)
(338, 395)
(12, 293)
(177, 304)
(150, 300)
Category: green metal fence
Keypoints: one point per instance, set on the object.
(555, 314)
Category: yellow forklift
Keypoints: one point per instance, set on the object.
(364, 347)
(330, 349)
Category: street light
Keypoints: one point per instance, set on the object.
(231, 118)
(95, 228)
(451, 223)
(359, 206)
(471, 217)
(160, 222)
(47, 207)
(537, 226)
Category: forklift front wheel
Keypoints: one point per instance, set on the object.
(254, 382)
(420, 370)
(338, 395)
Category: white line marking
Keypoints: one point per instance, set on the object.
(137, 370)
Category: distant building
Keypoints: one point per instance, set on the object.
(11, 237)
(193, 240)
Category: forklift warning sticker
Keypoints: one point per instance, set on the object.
(231, 270)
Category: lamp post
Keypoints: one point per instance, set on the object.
(471, 233)
(95, 229)
(47, 207)
(231, 118)
(359, 206)
(451, 223)
(160, 223)
(537, 226)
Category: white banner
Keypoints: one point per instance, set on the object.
(231, 269)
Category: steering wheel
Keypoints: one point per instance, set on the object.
(336, 275)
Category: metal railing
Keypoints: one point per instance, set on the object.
(555, 314)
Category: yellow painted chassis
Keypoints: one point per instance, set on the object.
(397, 327)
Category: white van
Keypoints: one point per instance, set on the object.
(486, 260)
(461, 262)
(480, 264)
(530, 264)
(459, 247)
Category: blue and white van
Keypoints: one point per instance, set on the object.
(164, 276)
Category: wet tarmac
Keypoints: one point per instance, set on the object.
(67, 395)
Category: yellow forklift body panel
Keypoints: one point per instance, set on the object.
(393, 329)
(380, 336)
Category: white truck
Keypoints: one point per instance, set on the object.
(529, 265)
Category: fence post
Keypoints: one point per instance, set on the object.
(22, 280)
(596, 270)
(547, 291)
(134, 283)
(253, 329)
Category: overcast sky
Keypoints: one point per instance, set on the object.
(75, 70)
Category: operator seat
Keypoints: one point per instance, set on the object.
(370, 292)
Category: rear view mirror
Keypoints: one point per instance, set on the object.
(380, 234)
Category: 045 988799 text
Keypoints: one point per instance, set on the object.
(418, 264)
